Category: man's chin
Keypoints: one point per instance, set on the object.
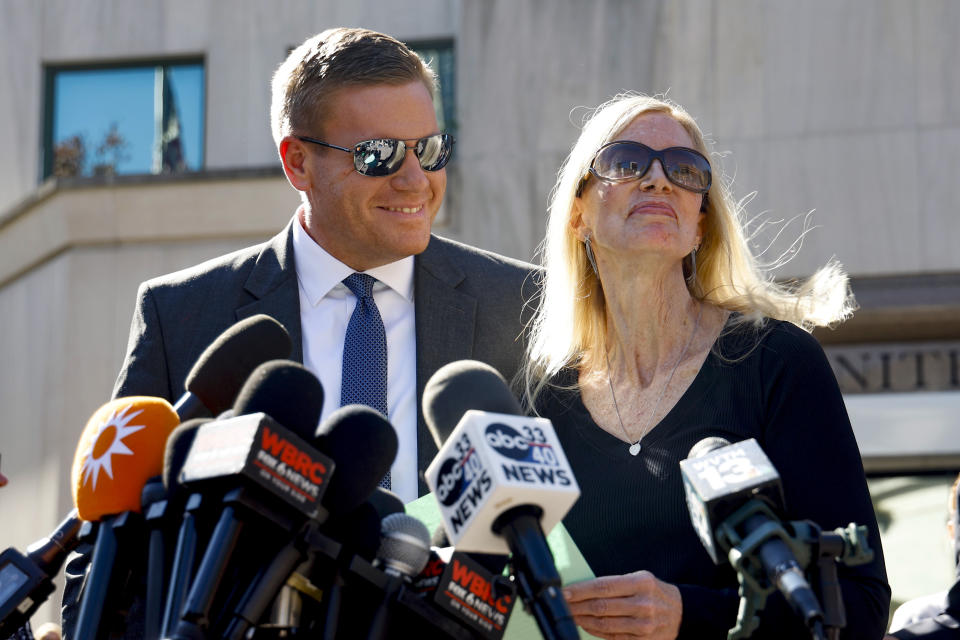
(414, 243)
(423, 246)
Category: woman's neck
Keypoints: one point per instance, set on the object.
(651, 317)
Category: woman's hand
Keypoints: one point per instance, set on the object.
(635, 605)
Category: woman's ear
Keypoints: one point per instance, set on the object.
(701, 222)
(576, 222)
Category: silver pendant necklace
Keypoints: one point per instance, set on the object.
(635, 447)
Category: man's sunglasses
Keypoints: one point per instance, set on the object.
(384, 156)
(622, 161)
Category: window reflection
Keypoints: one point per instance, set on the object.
(125, 120)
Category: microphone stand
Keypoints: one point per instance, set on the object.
(109, 566)
(538, 582)
(848, 546)
(816, 551)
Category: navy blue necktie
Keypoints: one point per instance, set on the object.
(365, 352)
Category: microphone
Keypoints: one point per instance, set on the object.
(26, 581)
(184, 557)
(734, 496)
(500, 479)
(403, 553)
(468, 587)
(272, 477)
(366, 444)
(211, 388)
(153, 502)
(404, 546)
(359, 533)
(226, 363)
(120, 449)
(359, 530)
(363, 444)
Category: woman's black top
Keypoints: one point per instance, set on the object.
(773, 384)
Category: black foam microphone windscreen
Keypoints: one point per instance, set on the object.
(287, 392)
(385, 502)
(459, 386)
(363, 443)
(359, 530)
(177, 447)
(224, 366)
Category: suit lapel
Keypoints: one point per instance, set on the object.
(445, 326)
(273, 284)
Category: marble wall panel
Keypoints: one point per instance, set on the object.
(737, 68)
(835, 67)
(937, 82)
(100, 30)
(21, 88)
(35, 401)
(245, 47)
(868, 210)
(65, 332)
(686, 57)
(507, 64)
(413, 20)
(184, 24)
(503, 213)
(881, 203)
(939, 209)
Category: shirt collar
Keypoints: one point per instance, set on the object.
(319, 273)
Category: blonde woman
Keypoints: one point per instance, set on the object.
(657, 329)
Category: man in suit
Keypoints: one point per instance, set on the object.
(354, 123)
(440, 301)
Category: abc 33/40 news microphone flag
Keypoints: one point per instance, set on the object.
(500, 479)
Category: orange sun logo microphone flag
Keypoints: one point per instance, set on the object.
(120, 449)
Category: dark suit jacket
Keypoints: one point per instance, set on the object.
(467, 302)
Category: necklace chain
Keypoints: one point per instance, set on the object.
(635, 447)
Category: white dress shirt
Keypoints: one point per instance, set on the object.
(326, 305)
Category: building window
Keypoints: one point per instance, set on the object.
(144, 118)
(439, 55)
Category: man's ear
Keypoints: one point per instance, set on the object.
(293, 156)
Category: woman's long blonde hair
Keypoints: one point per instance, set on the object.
(570, 322)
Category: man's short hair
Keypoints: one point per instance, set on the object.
(331, 60)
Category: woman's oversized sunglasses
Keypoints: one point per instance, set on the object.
(384, 156)
(623, 160)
